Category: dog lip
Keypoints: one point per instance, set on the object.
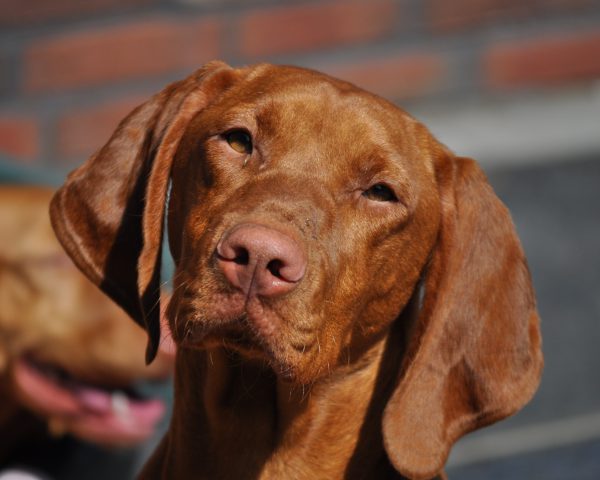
(248, 326)
(199, 332)
(232, 320)
(233, 335)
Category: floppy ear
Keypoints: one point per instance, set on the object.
(109, 214)
(474, 356)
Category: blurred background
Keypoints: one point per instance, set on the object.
(513, 83)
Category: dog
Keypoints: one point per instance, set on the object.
(349, 298)
(68, 356)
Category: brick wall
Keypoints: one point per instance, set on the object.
(71, 69)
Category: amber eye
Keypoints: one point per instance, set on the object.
(380, 193)
(240, 141)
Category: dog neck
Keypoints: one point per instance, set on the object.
(227, 407)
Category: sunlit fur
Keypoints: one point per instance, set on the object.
(331, 379)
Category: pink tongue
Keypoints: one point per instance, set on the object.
(94, 400)
(99, 412)
(117, 408)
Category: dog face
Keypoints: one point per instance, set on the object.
(354, 199)
(67, 352)
(304, 215)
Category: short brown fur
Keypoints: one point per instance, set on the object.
(414, 323)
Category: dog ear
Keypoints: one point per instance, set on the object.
(474, 355)
(109, 214)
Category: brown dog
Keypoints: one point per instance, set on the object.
(66, 351)
(350, 298)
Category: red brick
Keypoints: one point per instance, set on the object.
(81, 132)
(19, 137)
(123, 52)
(444, 15)
(315, 26)
(398, 77)
(20, 12)
(543, 61)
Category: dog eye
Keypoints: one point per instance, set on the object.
(380, 193)
(240, 141)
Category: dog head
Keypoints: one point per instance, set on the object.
(303, 215)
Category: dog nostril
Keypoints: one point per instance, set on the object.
(260, 261)
(242, 257)
(275, 266)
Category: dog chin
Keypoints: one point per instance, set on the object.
(291, 363)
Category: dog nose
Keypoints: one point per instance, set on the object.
(260, 260)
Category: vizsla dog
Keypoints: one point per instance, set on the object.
(67, 352)
(349, 297)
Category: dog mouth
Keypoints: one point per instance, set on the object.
(242, 336)
(249, 327)
(234, 335)
(112, 416)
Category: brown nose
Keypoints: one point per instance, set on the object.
(260, 260)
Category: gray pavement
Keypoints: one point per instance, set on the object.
(575, 462)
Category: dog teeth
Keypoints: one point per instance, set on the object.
(120, 405)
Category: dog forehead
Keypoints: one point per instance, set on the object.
(303, 96)
(302, 119)
(303, 109)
